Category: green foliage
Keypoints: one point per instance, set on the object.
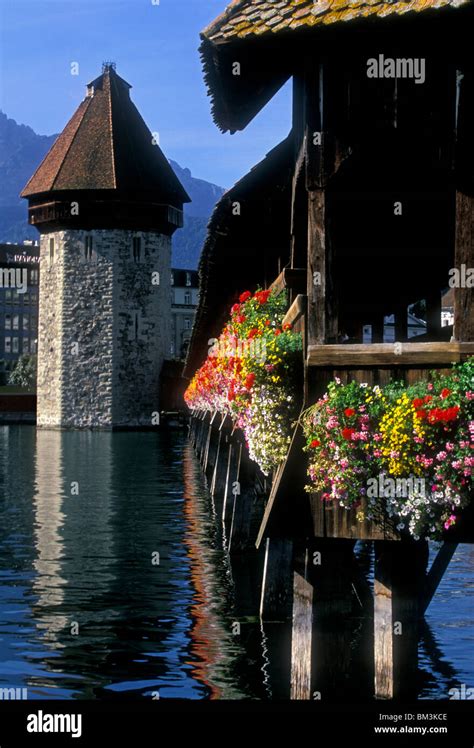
(24, 373)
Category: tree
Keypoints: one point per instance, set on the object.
(24, 373)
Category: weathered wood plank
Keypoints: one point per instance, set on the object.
(301, 638)
(398, 586)
(292, 278)
(296, 310)
(436, 572)
(277, 598)
(383, 354)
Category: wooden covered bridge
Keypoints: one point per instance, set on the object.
(372, 193)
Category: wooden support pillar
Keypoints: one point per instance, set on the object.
(232, 474)
(277, 588)
(398, 588)
(302, 636)
(243, 530)
(464, 239)
(211, 445)
(322, 625)
(203, 434)
(435, 574)
(219, 476)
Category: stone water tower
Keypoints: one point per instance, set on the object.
(106, 203)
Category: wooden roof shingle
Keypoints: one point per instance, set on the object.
(106, 145)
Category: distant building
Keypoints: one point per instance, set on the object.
(19, 279)
(447, 308)
(184, 301)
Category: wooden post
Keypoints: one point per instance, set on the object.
(211, 445)
(398, 587)
(322, 626)
(276, 599)
(464, 241)
(435, 574)
(232, 474)
(301, 642)
(243, 510)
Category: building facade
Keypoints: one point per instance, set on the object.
(19, 284)
(184, 301)
(106, 203)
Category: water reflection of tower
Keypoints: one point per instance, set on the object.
(72, 539)
(48, 584)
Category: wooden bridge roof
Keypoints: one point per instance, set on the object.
(240, 253)
(244, 18)
(106, 145)
(266, 36)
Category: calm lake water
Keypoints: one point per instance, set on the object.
(86, 610)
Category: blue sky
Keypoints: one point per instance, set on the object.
(155, 48)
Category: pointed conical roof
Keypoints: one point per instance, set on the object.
(106, 145)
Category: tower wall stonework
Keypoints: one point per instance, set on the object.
(104, 328)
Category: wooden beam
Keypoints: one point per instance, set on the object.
(296, 310)
(399, 573)
(292, 278)
(384, 354)
(435, 574)
(464, 237)
(302, 632)
(276, 598)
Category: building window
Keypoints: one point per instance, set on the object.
(15, 345)
(172, 278)
(88, 247)
(26, 345)
(26, 298)
(187, 323)
(137, 248)
(33, 346)
(34, 298)
(8, 296)
(8, 345)
(16, 321)
(26, 322)
(8, 322)
(187, 297)
(51, 249)
(34, 277)
(188, 279)
(34, 323)
(15, 297)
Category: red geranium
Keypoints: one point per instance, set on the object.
(234, 309)
(249, 381)
(347, 433)
(445, 392)
(244, 296)
(349, 412)
(315, 443)
(253, 333)
(262, 296)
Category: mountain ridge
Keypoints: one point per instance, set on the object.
(21, 152)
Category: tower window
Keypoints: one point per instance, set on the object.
(34, 278)
(8, 322)
(88, 247)
(137, 248)
(8, 345)
(187, 297)
(15, 345)
(187, 323)
(188, 279)
(51, 249)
